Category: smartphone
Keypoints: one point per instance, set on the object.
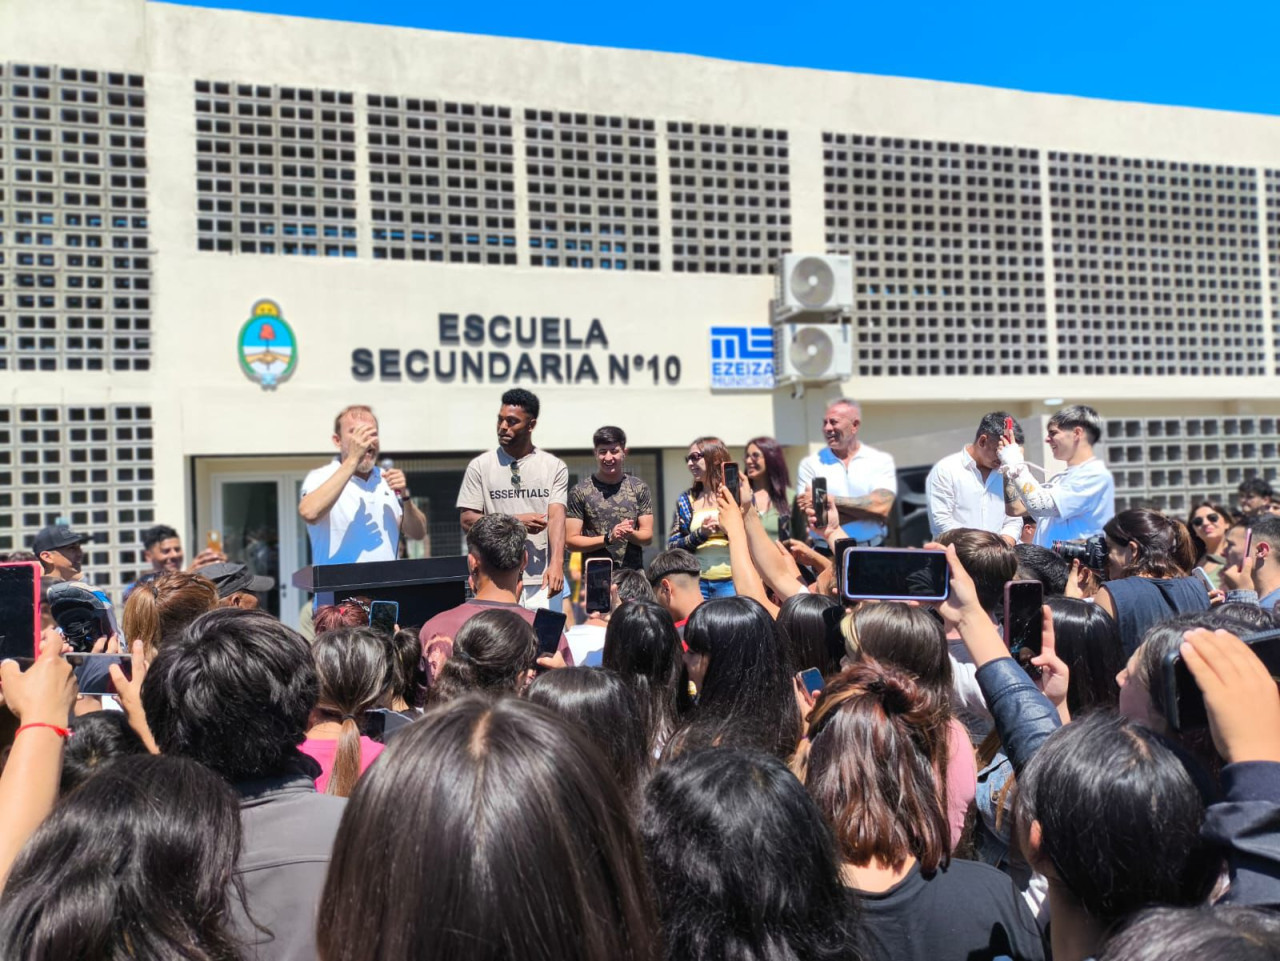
(384, 616)
(1248, 546)
(213, 541)
(598, 577)
(549, 626)
(1183, 701)
(19, 609)
(1201, 573)
(1008, 427)
(819, 491)
(784, 527)
(841, 547)
(1024, 621)
(894, 574)
(812, 680)
(732, 479)
(93, 672)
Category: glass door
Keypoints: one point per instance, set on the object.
(258, 517)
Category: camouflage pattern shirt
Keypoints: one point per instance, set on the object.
(602, 506)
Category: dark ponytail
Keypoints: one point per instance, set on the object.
(1164, 545)
(352, 665)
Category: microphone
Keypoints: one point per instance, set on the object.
(385, 465)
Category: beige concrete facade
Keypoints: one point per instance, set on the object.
(203, 405)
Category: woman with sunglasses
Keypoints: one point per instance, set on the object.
(696, 525)
(1208, 525)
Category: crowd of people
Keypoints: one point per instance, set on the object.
(730, 759)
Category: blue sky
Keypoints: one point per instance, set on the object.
(1176, 52)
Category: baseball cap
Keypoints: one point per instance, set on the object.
(230, 577)
(57, 536)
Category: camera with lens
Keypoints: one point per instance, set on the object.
(82, 614)
(1091, 552)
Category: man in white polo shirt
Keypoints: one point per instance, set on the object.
(354, 510)
(861, 481)
(530, 484)
(966, 489)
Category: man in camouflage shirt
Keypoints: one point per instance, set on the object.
(610, 514)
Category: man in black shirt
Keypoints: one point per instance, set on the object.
(610, 514)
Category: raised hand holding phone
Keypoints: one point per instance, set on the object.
(1240, 695)
(1055, 676)
(129, 694)
(548, 626)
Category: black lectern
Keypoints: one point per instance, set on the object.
(422, 587)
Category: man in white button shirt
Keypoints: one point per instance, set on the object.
(1075, 503)
(861, 480)
(966, 489)
(354, 510)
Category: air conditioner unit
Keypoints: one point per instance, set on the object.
(812, 353)
(813, 284)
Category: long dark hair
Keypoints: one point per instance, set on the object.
(870, 767)
(1087, 638)
(777, 474)
(606, 710)
(492, 651)
(1197, 542)
(138, 862)
(351, 664)
(642, 646)
(747, 697)
(743, 864)
(1124, 833)
(1164, 546)
(505, 818)
(911, 639)
(803, 626)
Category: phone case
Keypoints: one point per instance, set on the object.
(851, 596)
(35, 601)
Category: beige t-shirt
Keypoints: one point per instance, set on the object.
(490, 486)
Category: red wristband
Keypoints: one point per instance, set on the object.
(60, 731)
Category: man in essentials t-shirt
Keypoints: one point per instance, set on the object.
(529, 484)
(354, 510)
(610, 514)
(1075, 503)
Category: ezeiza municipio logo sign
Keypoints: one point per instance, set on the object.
(742, 358)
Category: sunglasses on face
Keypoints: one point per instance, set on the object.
(1200, 521)
(695, 456)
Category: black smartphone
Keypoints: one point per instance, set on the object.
(599, 578)
(548, 625)
(1024, 621)
(93, 672)
(818, 488)
(893, 574)
(1183, 701)
(19, 609)
(732, 479)
(812, 680)
(384, 616)
(841, 547)
(784, 527)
